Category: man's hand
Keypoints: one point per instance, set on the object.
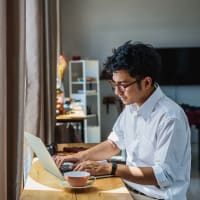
(94, 167)
(60, 159)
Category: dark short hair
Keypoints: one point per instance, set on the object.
(140, 60)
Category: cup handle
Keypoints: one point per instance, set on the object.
(91, 179)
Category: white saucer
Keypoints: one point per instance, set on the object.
(65, 184)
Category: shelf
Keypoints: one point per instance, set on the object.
(91, 115)
(91, 82)
(82, 82)
(88, 92)
(84, 86)
(77, 82)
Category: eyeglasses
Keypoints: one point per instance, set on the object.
(121, 87)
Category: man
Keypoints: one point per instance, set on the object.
(152, 129)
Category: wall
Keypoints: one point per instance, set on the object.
(92, 28)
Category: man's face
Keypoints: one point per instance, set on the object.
(127, 88)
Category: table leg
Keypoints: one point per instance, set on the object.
(82, 130)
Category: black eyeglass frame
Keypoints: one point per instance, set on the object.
(119, 86)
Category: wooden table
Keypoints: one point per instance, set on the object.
(72, 115)
(76, 116)
(41, 185)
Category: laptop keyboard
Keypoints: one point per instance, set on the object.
(66, 166)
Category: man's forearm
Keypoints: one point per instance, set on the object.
(101, 151)
(140, 175)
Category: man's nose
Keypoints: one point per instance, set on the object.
(117, 91)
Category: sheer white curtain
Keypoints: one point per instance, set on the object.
(41, 68)
(41, 48)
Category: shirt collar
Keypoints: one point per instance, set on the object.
(147, 107)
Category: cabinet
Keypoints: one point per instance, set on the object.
(84, 89)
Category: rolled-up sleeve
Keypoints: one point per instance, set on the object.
(163, 176)
(117, 134)
(116, 139)
(172, 153)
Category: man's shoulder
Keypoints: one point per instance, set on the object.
(169, 107)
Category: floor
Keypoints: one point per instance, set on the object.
(194, 189)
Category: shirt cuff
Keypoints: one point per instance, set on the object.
(160, 174)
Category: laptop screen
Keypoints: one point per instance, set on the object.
(43, 155)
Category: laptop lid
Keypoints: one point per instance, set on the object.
(43, 155)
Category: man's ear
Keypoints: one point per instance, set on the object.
(147, 82)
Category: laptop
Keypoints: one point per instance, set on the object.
(45, 158)
(43, 155)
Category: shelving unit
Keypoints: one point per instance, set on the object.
(84, 89)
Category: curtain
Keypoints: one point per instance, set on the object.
(16, 92)
(3, 103)
(49, 75)
(41, 51)
(41, 68)
(13, 94)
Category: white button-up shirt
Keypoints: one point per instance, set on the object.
(157, 134)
